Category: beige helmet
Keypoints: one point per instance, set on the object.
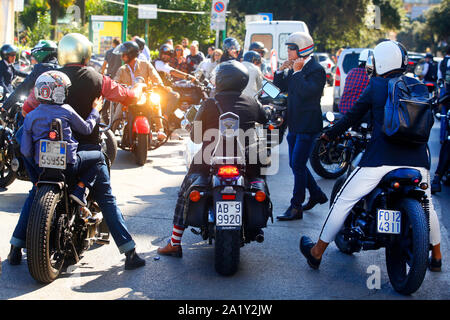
(74, 48)
(303, 41)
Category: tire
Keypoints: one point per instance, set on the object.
(227, 251)
(140, 151)
(414, 242)
(320, 153)
(41, 234)
(109, 146)
(7, 175)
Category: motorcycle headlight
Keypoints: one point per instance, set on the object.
(155, 98)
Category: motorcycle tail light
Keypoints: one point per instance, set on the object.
(195, 196)
(396, 185)
(52, 135)
(416, 181)
(337, 79)
(228, 172)
(228, 197)
(271, 127)
(260, 196)
(424, 186)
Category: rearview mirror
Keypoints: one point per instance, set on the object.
(272, 90)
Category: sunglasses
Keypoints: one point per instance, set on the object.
(292, 47)
(178, 50)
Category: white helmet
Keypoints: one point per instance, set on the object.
(390, 56)
(364, 55)
(51, 87)
(303, 41)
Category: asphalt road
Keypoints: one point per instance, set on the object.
(274, 269)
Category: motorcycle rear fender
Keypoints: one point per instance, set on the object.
(141, 125)
(59, 184)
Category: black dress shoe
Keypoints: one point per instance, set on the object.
(15, 256)
(132, 260)
(313, 201)
(291, 214)
(436, 185)
(305, 248)
(435, 265)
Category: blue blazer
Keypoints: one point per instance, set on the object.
(304, 114)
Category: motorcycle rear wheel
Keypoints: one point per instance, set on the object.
(407, 257)
(45, 260)
(109, 146)
(227, 251)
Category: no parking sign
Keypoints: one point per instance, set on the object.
(218, 14)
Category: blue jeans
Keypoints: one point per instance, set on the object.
(300, 148)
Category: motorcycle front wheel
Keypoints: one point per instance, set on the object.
(140, 150)
(327, 161)
(407, 255)
(7, 175)
(46, 241)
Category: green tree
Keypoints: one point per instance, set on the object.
(438, 21)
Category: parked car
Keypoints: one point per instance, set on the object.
(348, 60)
(324, 59)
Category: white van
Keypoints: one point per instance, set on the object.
(273, 34)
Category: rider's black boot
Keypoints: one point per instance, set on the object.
(132, 260)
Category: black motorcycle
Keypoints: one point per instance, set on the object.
(446, 117)
(228, 206)
(276, 109)
(330, 159)
(394, 216)
(59, 230)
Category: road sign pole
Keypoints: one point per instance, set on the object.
(217, 38)
(125, 21)
(146, 31)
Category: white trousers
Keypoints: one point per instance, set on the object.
(360, 183)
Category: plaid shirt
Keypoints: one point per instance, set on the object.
(355, 83)
(180, 66)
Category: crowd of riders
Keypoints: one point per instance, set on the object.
(62, 85)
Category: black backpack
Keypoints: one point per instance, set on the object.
(408, 116)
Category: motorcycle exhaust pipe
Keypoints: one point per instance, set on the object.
(260, 237)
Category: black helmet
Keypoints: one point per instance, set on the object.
(130, 48)
(252, 57)
(165, 49)
(231, 76)
(429, 55)
(231, 43)
(140, 42)
(8, 50)
(258, 47)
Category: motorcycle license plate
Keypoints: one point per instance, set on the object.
(52, 154)
(228, 214)
(389, 221)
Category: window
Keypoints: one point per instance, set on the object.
(266, 39)
(350, 61)
(283, 54)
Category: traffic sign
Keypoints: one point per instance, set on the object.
(147, 11)
(218, 14)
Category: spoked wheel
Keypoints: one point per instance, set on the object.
(47, 235)
(155, 143)
(407, 256)
(327, 160)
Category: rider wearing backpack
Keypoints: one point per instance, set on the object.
(381, 156)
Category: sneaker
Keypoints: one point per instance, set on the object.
(79, 195)
(133, 261)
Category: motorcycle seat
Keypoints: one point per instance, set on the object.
(403, 176)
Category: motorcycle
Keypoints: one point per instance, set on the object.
(330, 159)
(445, 117)
(394, 216)
(142, 117)
(228, 206)
(58, 229)
(11, 162)
(276, 109)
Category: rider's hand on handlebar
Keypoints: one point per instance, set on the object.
(138, 89)
(98, 104)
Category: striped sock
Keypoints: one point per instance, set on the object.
(177, 233)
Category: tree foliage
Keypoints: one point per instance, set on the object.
(438, 20)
